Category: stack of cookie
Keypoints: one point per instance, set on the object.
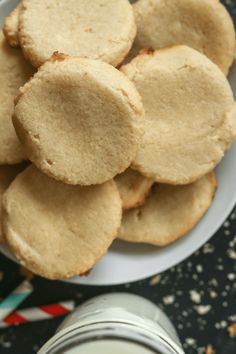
(116, 150)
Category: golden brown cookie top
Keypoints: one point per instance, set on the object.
(169, 212)
(14, 72)
(188, 122)
(133, 188)
(57, 230)
(204, 25)
(11, 25)
(96, 29)
(7, 175)
(80, 120)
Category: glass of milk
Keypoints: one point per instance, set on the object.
(118, 323)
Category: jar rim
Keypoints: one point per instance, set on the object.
(73, 337)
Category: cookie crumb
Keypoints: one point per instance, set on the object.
(155, 280)
(209, 349)
(213, 294)
(208, 248)
(231, 276)
(232, 330)
(190, 341)
(221, 325)
(168, 300)
(199, 268)
(202, 309)
(231, 253)
(195, 296)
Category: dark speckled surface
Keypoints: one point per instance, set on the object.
(199, 295)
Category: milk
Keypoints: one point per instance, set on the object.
(117, 323)
(110, 346)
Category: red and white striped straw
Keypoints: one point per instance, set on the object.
(38, 313)
(15, 298)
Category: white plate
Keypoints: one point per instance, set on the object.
(129, 262)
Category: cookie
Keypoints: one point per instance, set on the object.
(7, 175)
(133, 188)
(10, 28)
(169, 212)
(80, 120)
(188, 122)
(14, 72)
(233, 119)
(204, 25)
(96, 29)
(56, 230)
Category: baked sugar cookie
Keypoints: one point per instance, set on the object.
(188, 122)
(233, 119)
(96, 29)
(7, 175)
(10, 28)
(169, 212)
(133, 188)
(57, 230)
(80, 120)
(14, 72)
(204, 25)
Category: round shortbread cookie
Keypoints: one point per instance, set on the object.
(233, 119)
(133, 188)
(188, 122)
(204, 25)
(14, 72)
(7, 175)
(57, 230)
(169, 212)
(80, 120)
(96, 29)
(11, 24)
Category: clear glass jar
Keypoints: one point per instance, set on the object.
(116, 323)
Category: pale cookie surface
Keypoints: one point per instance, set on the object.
(233, 119)
(169, 212)
(7, 175)
(188, 122)
(97, 29)
(133, 188)
(80, 120)
(10, 28)
(56, 230)
(204, 25)
(14, 72)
